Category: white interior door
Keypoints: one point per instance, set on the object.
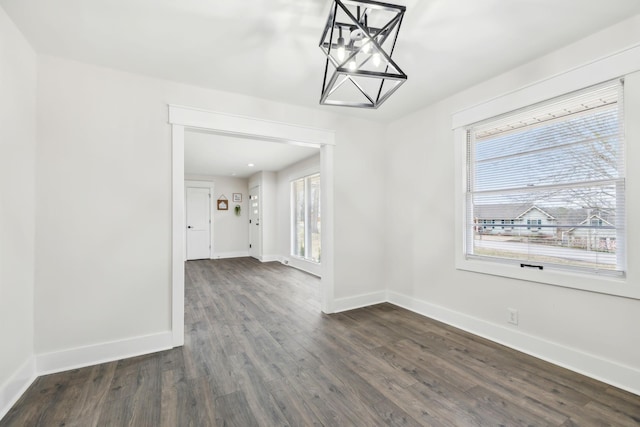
(255, 234)
(198, 212)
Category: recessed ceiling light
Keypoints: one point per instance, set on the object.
(251, 165)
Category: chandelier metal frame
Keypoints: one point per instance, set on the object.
(371, 42)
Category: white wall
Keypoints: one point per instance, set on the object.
(17, 209)
(589, 332)
(230, 231)
(104, 189)
(300, 169)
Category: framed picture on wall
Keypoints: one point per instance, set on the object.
(223, 204)
(237, 197)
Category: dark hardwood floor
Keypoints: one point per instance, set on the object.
(258, 352)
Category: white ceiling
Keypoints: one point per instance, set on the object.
(269, 48)
(210, 154)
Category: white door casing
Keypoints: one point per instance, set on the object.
(181, 117)
(198, 224)
(255, 229)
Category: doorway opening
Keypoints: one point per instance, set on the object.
(185, 118)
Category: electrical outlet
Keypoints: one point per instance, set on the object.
(512, 316)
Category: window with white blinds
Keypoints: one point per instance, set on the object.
(546, 184)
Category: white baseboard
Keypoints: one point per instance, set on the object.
(13, 388)
(221, 255)
(359, 301)
(270, 258)
(608, 371)
(306, 266)
(64, 360)
(80, 357)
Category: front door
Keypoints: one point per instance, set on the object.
(255, 235)
(198, 223)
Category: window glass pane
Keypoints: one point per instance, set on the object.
(314, 216)
(298, 218)
(584, 148)
(306, 218)
(554, 180)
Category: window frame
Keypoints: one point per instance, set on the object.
(625, 64)
(307, 238)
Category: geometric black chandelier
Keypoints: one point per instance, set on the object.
(358, 41)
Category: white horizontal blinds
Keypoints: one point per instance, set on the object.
(547, 183)
(469, 231)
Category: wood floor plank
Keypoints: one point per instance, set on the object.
(232, 410)
(186, 402)
(295, 409)
(263, 406)
(258, 352)
(326, 396)
(548, 406)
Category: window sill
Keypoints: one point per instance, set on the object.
(610, 285)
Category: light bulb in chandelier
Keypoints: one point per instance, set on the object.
(366, 47)
(376, 59)
(353, 65)
(341, 49)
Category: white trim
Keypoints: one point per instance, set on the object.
(192, 183)
(597, 71)
(15, 386)
(359, 301)
(79, 357)
(249, 126)
(302, 266)
(222, 255)
(269, 258)
(178, 239)
(181, 117)
(608, 371)
(305, 265)
(326, 197)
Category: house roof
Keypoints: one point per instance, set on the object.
(561, 215)
(504, 210)
(498, 211)
(538, 209)
(590, 217)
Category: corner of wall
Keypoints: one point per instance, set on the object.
(15, 386)
(359, 301)
(18, 111)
